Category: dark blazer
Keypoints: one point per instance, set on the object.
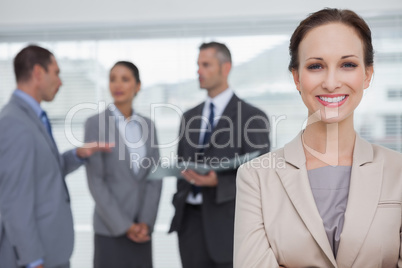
(121, 197)
(36, 220)
(219, 202)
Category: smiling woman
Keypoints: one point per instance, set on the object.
(330, 197)
(332, 73)
(167, 62)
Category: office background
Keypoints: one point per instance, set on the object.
(162, 39)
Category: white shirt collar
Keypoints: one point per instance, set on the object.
(220, 102)
(116, 112)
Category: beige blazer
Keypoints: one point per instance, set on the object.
(277, 221)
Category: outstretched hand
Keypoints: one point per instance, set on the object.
(90, 148)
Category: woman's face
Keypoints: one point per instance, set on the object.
(123, 85)
(331, 75)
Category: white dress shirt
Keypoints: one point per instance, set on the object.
(220, 102)
(131, 133)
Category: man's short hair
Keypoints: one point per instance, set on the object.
(222, 51)
(26, 59)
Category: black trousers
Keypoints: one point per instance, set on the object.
(121, 252)
(192, 245)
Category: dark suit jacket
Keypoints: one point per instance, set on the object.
(36, 219)
(230, 141)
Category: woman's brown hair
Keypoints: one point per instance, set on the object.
(331, 15)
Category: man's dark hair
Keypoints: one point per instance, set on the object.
(222, 51)
(27, 58)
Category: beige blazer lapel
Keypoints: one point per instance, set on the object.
(364, 195)
(295, 181)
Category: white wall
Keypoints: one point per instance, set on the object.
(39, 14)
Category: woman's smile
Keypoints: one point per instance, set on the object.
(332, 101)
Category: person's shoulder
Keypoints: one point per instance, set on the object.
(11, 116)
(270, 161)
(389, 165)
(193, 111)
(390, 159)
(7, 112)
(263, 169)
(251, 109)
(389, 156)
(145, 119)
(96, 118)
(14, 125)
(10, 109)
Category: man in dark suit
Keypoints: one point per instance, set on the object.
(36, 225)
(221, 128)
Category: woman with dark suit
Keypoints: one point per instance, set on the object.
(328, 198)
(126, 202)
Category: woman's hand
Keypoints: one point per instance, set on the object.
(139, 233)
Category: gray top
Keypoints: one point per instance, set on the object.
(330, 187)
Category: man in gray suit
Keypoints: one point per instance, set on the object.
(36, 226)
(221, 128)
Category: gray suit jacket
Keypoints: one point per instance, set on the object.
(121, 198)
(219, 202)
(36, 220)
